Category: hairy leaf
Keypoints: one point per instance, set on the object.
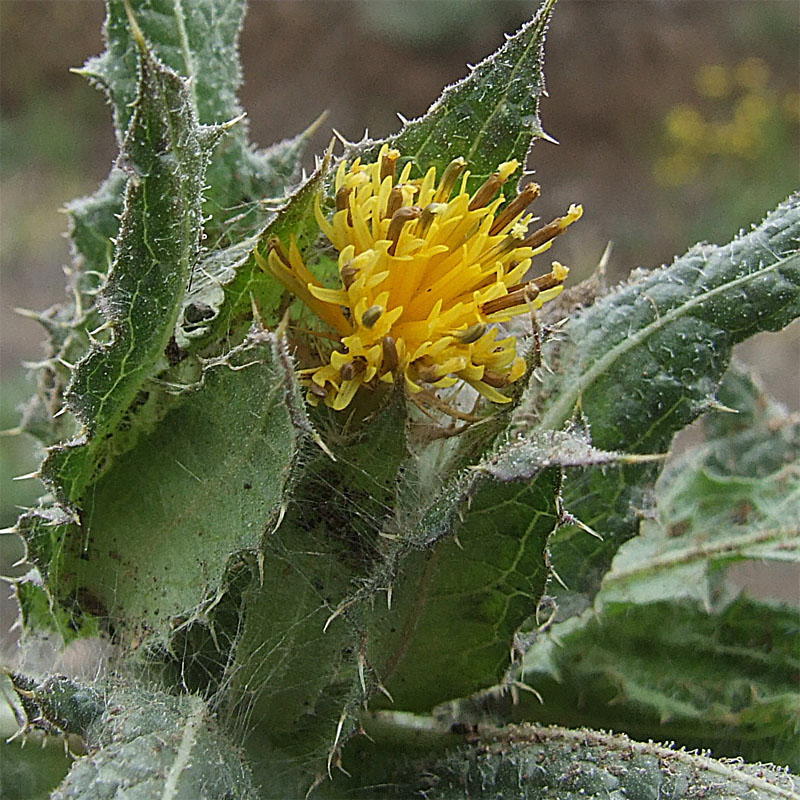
(729, 683)
(544, 763)
(472, 566)
(488, 117)
(735, 497)
(294, 676)
(200, 41)
(208, 483)
(643, 362)
(165, 153)
(152, 744)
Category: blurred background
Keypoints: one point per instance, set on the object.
(678, 122)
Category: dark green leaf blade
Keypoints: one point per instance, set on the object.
(166, 153)
(488, 117)
(731, 684)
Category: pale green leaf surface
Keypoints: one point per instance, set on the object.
(734, 497)
(161, 525)
(166, 153)
(643, 362)
(200, 41)
(293, 679)
(419, 757)
(149, 744)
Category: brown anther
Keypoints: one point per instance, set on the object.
(348, 274)
(429, 214)
(352, 368)
(342, 197)
(371, 316)
(390, 361)
(394, 202)
(486, 192)
(317, 390)
(547, 281)
(529, 193)
(495, 379)
(274, 245)
(399, 219)
(471, 334)
(517, 296)
(449, 178)
(388, 164)
(545, 234)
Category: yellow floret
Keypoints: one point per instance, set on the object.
(426, 271)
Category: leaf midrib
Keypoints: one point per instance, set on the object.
(562, 409)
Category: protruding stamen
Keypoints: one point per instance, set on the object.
(352, 368)
(553, 229)
(371, 316)
(503, 247)
(394, 202)
(495, 379)
(524, 293)
(553, 278)
(342, 197)
(389, 163)
(274, 246)
(429, 213)
(449, 178)
(399, 219)
(486, 192)
(529, 193)
(390, 361)
(317, 390)
(348, 274)
(471, 334)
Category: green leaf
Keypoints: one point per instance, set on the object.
(229, 283)
(488, 117)
(154, 543)
(152, 744)
(532, 762)
(200, 41)
(649, 356)
(735, 497)
(471, 567)
(643, 362)
(730, 681)
(297, 680)
(166, 153)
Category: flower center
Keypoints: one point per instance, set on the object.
(427, 271)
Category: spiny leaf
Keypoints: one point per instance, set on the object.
(206, 484)
(735, 497)
(730, 686)
(165, 153)
(533, 762)
(488, 117)
(643, 362)
(293, 675)
(200, 41)
(152, 744)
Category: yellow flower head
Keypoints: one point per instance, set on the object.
(426, 270)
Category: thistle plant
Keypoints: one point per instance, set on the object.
(365, 498)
